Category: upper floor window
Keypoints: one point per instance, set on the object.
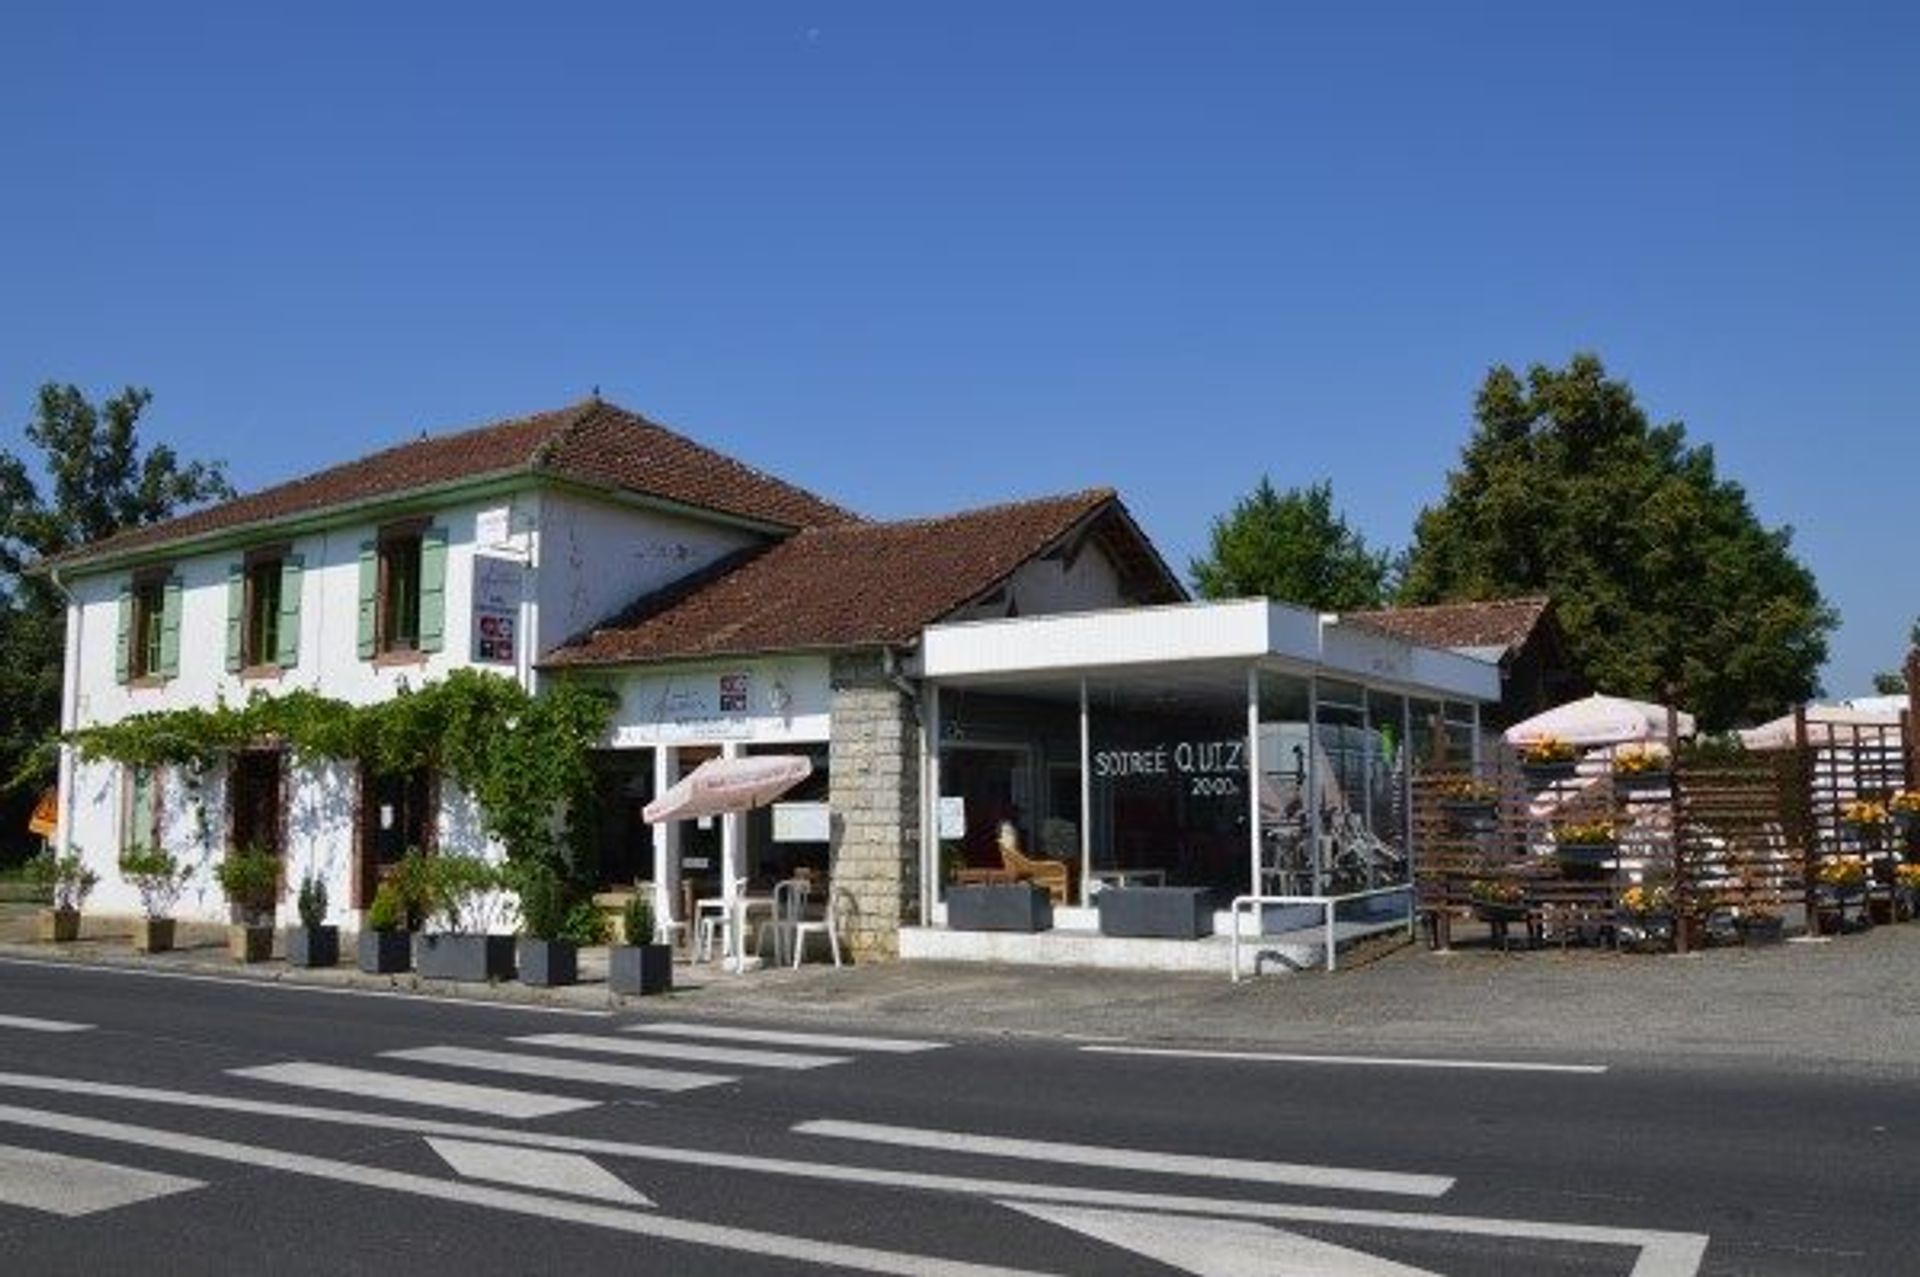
(149, 629)
(263, 611)
(403, 587)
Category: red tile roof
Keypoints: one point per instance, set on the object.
(1504, 623)
(864, 584)
(593, 442)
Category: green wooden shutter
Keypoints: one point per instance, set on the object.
(433, 589)
(141, 818)
(287, 652)
(369, 599)
(123, 645)
(236, 616)
(170, 628)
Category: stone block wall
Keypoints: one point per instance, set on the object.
(874, 792)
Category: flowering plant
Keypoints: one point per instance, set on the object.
(1598, 833)
(1497, 891)
(1843, 872)
(1905, 803)
(1467, 789)
(1907, 876)
(1646, 899)
(1547, 749)
(1864, 811)
(1640, 760)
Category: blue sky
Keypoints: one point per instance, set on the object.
(922, 257)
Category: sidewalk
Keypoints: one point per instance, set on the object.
(1854, 1002)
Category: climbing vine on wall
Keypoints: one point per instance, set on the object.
(524, 759)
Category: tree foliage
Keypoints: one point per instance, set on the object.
(1893, 682)
(93, 479)
(1292, 547)
(1663, 577)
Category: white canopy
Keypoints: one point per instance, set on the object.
(1600, 720)
(728, 784)
(1826, 725)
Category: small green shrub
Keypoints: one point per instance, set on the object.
(251, 880)
(584, 924)
(462, 894)
(157, 875)
(388, 912)
(312, 902)
(543, 902)
(65, 880)
(637, 918)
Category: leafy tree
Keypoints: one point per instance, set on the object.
(1663, 576)
(99, 481)
(1893, 682)
(1291, 547)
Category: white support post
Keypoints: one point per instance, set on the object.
(930, 804)
(1254, 777)
(666, 845)
(1313, 784)
(1086, 800)
(733, 828)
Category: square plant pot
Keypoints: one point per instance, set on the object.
(1018, 906)
(313, 946)
(250, 943)
(473, 959)
(1161, 913)
(547, 963)
(153, 935)
(57, 926)
(385, 952)
(640, 969)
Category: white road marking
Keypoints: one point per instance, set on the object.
(1662, 1254)
(782, 1245)
(1370, 1061)
(300, 986)
(41, 1026)
(533, 1168)
(1217, 1247)
(75, 1186)
(559, 1067)
(778, 1037)
(698, 1052)
(1252, 1172)
(400, 1087)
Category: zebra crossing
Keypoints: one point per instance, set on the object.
(661, 1057)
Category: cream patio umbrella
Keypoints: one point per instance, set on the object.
(1826, 725)
(1600, 720)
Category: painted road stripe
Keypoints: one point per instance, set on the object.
(1129, 1159)
(75, 1186)
(276, 985)
(777, 1037)
(1368, 1061)
(1219, 1247)
(1662, 1254)
(698, 1052)
(41, 1026)
(779, 1246)
(413, 1090)
(561, 1068)
(534, 1168)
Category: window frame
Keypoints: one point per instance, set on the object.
(397, 544)
(146, 624)
(260, 632)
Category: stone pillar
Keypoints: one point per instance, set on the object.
(874, 793)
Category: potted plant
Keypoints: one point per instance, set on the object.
(313, 943)
(464, 904)
(1546, 759)
(1867, 818)
(1499, 900)
(1907, 879)
(251, 880)
(67, 882)
(1760, 922)
(1904, 808)
(1842, 876)
(1645, 915)
(1584, 848)
(1470, 804)
(1641, 771)
(640, 966)
(159, 878)
(548, 951)
(385, 946)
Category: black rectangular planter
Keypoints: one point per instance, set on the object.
(1018, 906)
(638, 969)
(385, 952)
(313, 946)
(1162, 913)
(546, 963)
(457, 956)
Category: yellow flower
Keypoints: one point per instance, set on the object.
(1548, 749)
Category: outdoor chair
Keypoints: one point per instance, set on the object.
(1055, 875)
(712, 923)
(790, 926)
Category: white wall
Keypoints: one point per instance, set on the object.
(1047, 586)
(788, 698)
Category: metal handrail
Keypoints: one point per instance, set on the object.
(1327, 904)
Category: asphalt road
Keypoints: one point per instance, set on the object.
(161, 1124)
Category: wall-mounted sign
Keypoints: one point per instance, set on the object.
(496, 610)
(734, 689)
(953, 817)
(493, 527)
(802, 822)
(1205, 768)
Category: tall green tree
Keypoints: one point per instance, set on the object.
(94, 479)
(1663, 577)
(1293, 547)
(1893, 682)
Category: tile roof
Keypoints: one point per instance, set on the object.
(862, 584)
(592, 442)
(1495, 623)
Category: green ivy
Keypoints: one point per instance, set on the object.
(525, 760)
